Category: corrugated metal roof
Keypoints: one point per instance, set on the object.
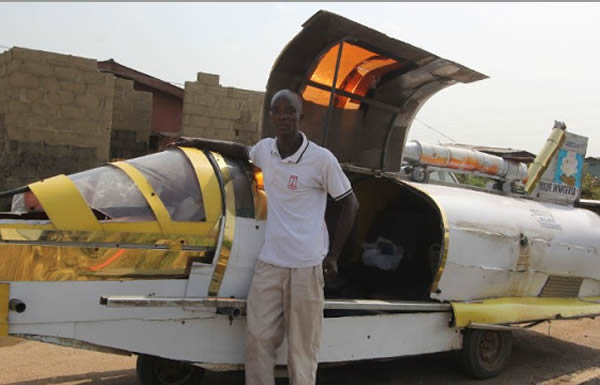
(125, 72)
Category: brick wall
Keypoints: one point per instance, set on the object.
(56, 113)
(216, 112)
(131, 120)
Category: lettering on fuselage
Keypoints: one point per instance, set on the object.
(558, 188)
(545, 219)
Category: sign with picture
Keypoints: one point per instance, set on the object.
(562, 179)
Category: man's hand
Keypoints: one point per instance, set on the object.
(230, 149)
(330, 267)
(182, 141)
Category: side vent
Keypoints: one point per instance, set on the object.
(523, 261)
(561, 286)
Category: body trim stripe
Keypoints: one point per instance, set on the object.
(209, 183)
(224, 249)
(159, 209)
(64, 205)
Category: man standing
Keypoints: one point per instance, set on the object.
(286, 295)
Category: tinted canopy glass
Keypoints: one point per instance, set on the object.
(173, 178)
(110, 191)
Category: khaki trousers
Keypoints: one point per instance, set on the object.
(284, 302)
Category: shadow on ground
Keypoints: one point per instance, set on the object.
(536, 358)
(117, 377)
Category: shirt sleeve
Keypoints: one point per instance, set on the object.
(336, 183)
(257, 153)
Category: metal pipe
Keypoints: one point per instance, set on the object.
(492, 327)
(17, 305)
(362, 99)
(228, 305)
(141, 246)
(14, 191)
(538, 167)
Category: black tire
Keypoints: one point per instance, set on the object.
(153, 370)
(485, 353)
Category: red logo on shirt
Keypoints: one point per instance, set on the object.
(293, 182)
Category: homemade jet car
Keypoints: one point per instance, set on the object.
(154, 255)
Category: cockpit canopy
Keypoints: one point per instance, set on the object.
(361, 88)
(109, 190)
(161, 188)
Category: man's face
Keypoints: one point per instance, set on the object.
(285, 117)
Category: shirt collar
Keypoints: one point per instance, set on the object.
(295, 157)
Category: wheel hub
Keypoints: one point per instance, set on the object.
(489, 346)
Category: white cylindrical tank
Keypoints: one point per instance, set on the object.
(463, 159)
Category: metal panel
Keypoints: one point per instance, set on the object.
(561, 287)
(589, 288)
(66, 302)
(228, 226)
(520, 309)
(247, 243)
(34, 255)
(206, 338)
(501, 244)
(51, 263)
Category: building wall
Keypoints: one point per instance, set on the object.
(224, 113)
(166, 111)
(56, 112)
(131, 120)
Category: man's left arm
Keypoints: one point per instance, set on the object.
(343, 227)
(338, 186)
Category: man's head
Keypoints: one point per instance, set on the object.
(286, 112)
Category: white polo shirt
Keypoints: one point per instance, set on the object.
(297, 188)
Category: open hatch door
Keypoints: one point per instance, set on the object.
(361, 88)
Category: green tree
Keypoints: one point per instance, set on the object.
(590, 186)
(472, 180)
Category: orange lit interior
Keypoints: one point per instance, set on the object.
(359, 71)
(259, 180)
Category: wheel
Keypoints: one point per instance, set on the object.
(485, 352)
(420, 174)
(161, 371)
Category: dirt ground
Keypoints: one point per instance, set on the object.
(563, 352)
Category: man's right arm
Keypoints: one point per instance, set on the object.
(230, 149)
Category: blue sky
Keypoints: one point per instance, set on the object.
(541, 57)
